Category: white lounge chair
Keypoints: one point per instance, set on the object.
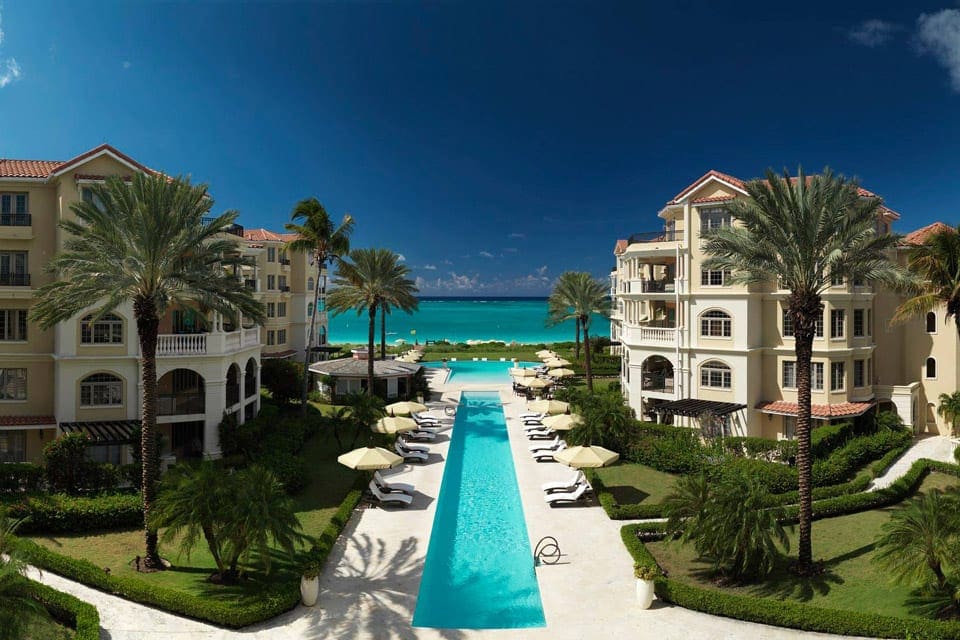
(544, 446)
(546, 455)
(541, 434)
(389, 498)
(412, 447)
(410, 455)
(533, 426)
(564, 485)
(532, 422)
(425, 420)
(420, 435)
(569, 497)
(532, 415)
(392, 487)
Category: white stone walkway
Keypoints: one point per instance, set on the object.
(370, 583)
(931, 447)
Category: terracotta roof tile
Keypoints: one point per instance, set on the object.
(262, 235)
(920, 235)
(713, 199)
(16, 421)
(709, 174)
(66, 164)
(620, 247)
(27, 168)
(822, 411)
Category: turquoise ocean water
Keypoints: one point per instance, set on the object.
(462, 319)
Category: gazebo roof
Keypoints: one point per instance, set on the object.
(354, 368)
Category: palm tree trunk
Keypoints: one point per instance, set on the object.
(306, 355)
(586, 356)
(805, 311)
(576, 349)
(370, 345)
(214, 547)
(383, 333)
(148, 323)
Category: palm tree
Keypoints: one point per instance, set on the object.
(604, 420)
(386, 309)
(803, 232)
(148, 242)
(15, 607)
(372, 277)
(936, 266)
(363, 410)
(324, 241)
(578, 297)
(949, 408)
(559, 303)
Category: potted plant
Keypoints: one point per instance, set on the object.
(310, 583)
(646, 576)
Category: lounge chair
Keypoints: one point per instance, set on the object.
(392, 487)
(389, 498)
(546, 455)
(425, 421)
(533, 426)
(570, 497)
(563, 486)
(412, 447)
(410, 455)
(544, 446)
(532, 422)
(421, 435)
(541, 434)
(532, 415)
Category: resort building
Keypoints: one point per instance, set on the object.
(695, 347)
(83, 376)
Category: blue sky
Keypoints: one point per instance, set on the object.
(492, 145)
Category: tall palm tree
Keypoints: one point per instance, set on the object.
(559, 303)
(949, 408)
(371, 278)
(579, 297)
(386, 308)
(318, 236)
(803, 231)
(936, 265)
(148, 242)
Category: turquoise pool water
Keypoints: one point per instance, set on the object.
(472, 372)
(479, 569)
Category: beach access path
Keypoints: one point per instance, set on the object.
(369, 586)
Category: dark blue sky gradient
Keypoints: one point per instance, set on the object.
(498, 144)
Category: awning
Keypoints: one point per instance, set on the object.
(696, 408)
(104, 432)
(817, 411)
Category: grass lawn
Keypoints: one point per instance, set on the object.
(632, 483)
(41, 626)
(329, 483)
(845, 544)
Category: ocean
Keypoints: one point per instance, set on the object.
(462, 319)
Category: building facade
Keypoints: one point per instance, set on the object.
(693, 345)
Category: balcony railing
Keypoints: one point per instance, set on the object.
(250, 284)
(285, 288)
(251, 336)
(178, 404)
(634, 335)
(16, 219)
(181, 344)
(642, 285)
(15, 279)
(659, 382)
(188, 344)
(285, 262)
(667, 235)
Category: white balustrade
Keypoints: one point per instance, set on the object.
(181, 344)
(251, 336)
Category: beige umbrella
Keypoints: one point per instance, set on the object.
(523, 373)
(405, 408)
(535, 383)
(560, 373)
(550, 407)
(394, 425)
(369, 458)
(557, 362)
(562, 422)
(545, 352)
(584, 457)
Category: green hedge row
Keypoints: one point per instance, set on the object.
(16, 477)
(60, 513)
(66, 609)
(272, 602)
(880, 467)
(826, 439)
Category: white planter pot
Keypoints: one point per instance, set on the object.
(645, 593)
(309, 590)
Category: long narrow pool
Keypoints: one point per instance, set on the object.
(479, 569)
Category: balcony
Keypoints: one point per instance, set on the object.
(16, 220)
(653, 242)
(659, 383)
(648, 335)
(643, 285)
(233, 229)
(252, 285)
(178, 404)
(15, 279)
(667, 235)
(285, 289)
(204, 344)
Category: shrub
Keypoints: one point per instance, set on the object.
(823, 440)
(762, 448)
(778, 478)
(68, 610)
(18, 477)
(666, 448)
(66, 463)
(284, 378)
(64, 513)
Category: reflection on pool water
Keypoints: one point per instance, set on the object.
(479, 371)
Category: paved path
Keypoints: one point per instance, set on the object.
(370, 583)
(932, 447)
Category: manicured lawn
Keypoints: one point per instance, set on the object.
(845, 544)
(632, 483)
(41, 626)
(329, 483)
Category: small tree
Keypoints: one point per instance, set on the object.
(364, 410)
(605, 421)
(282, 378)
(949, 408)
(67, 466)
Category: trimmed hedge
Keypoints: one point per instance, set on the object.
(66, 609)
(271, 602)
(60, 513)
(825, 439)
(17, 477)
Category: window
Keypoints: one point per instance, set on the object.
(787, 325)
(271, 309)
(310, 286)
(107, 330)
(837, 376)
(869, 322)
(816, 376)
(789, 374)
(282, 309)
(271, 338)
(13, 269)
(836, 280)
(282, 281)
(818, 327)
(310, 309)
(931, 368)
(715, 375)
(858, 373)
(13, 209)
(282, 336)
(271, 254)
(13, 446)
(112, 453)
(271, 282)
(101, 390)
(837, 317)
(13, 324)
(283, 257)
(715, 324)
(714, 278)
(858, 329)
(13, 384)
(789, 427)
(858, 281)
(89, 196)
(869, 370)
(931, 322)
(714, 218)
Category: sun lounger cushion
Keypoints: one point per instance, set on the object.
(401, 487)
(389, 498)
(564, 485)
(565, 498)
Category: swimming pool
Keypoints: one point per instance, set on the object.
(479, 371)
(479, 569)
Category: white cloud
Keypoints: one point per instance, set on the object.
(430, 267)
(9, 72)
(873, 32)
(126, 64)
(486, 254)
(542, 271)
(939, 35)
(401, 257)
(517, 235)
(447, 262)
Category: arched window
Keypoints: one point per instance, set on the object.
(931, 368)
(310, 289)
(715, 375)
(101, 390)
(715, 324)
(931, 322)
(107, 330)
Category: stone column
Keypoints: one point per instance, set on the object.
(216, 403)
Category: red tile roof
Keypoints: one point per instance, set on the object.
(97, 150)
(920, 235)
(713, 199)
(17, 421)
(27, 168)
(261, 235)
(822, 411)
(620, 247)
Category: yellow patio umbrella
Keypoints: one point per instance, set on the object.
(393, 425)
(550, 407)
(523, 373)
(562, 422)
(560, 373)
(557, 362)
(535, 383)
(590, 456)
(369, 458)
(405, 408)
(545, 353)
